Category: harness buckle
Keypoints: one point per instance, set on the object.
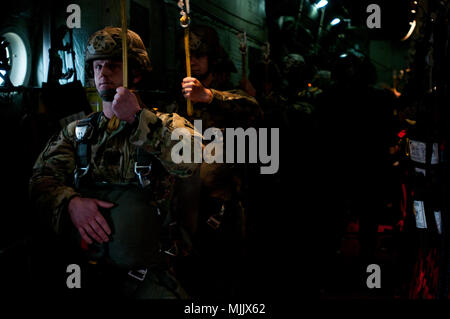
(172, 251)
(215, 220)
(143, 172)
(84, 130)
(138, 274)
(78, 175)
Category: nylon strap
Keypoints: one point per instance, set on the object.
(88, 128)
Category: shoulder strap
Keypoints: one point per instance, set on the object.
(84, 132)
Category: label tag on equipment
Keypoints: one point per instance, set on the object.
(418, 152)
(437, 217)
(419, 211)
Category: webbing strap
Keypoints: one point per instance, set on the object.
(84, 132)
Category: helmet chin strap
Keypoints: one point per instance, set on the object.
(203, 76)
(107, 95)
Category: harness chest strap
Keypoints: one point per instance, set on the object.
(84, 133)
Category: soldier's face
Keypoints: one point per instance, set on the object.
(199, 65)
(107, 74)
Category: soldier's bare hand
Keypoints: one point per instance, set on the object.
(194, 90)
(88, 220)
(125, 104)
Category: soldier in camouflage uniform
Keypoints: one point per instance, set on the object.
(120, 199)
(217, 104)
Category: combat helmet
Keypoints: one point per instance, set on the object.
(107, 44)
(204, 40)
(293, 62)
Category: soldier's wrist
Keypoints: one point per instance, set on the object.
(210, 96)
(136, 117)
(75, 196)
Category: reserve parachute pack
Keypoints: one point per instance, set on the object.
(135, 223)
(135, 220)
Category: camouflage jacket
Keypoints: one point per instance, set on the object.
(113, 157)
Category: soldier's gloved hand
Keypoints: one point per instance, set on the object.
(125, 105)
(194, 90)
(88, 220)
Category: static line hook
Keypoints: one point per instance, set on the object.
(184, 20)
